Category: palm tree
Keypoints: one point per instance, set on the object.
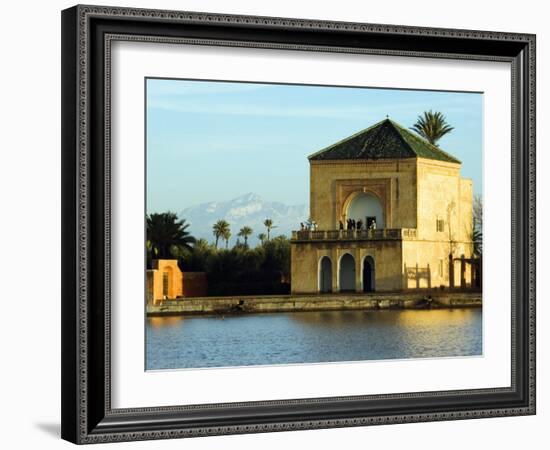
(220, 230)
(201, 243)
(432, 126)
(244, 232)
(165, 234)
(268, 223)
(262, 237)
(478, 242)
(227, 236)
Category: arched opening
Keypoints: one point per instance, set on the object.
(347, 273)
(167, 282)
(368, 274)
(325, 275)
(367, 208)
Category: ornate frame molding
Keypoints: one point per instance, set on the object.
(87, 416)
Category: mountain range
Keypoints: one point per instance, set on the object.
(248, 209)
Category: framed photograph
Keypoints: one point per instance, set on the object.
(279, 224)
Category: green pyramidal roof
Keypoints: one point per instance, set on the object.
(383, 140)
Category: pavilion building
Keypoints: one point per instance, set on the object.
(414, 209)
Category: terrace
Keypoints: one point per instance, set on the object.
(354, 235)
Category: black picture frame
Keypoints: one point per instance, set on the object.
(87, 415)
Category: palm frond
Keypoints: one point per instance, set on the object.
(432, 126)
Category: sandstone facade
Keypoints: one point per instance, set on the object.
(165, 281)
(420, 205)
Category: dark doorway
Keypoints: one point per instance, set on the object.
(347, 273)
(325, 275)
(368, 274)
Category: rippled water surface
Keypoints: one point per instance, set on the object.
(307, 337)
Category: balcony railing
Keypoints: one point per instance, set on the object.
(350, 235)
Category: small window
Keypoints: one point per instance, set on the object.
(440, 268)
(440, 225)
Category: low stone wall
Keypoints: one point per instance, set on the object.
(327, 302)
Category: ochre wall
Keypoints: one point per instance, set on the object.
(466, 209)
(443, 194)
(433, 257)
(170, 267)
(415, 193)
(180, 284)
(333, 182)
(306, 257)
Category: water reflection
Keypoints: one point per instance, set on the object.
(305, 337)
(163, 322)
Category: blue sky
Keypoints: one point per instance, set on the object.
(213, 141)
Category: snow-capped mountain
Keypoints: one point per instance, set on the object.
(249, 209)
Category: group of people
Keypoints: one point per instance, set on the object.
(352, 224)
(308, 226)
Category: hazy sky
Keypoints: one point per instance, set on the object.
(213, 141)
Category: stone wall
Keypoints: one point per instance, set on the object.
(165, 281)
(306, 260)
(414, 193)
(426, 264)
(443, 195)
(335, 302)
